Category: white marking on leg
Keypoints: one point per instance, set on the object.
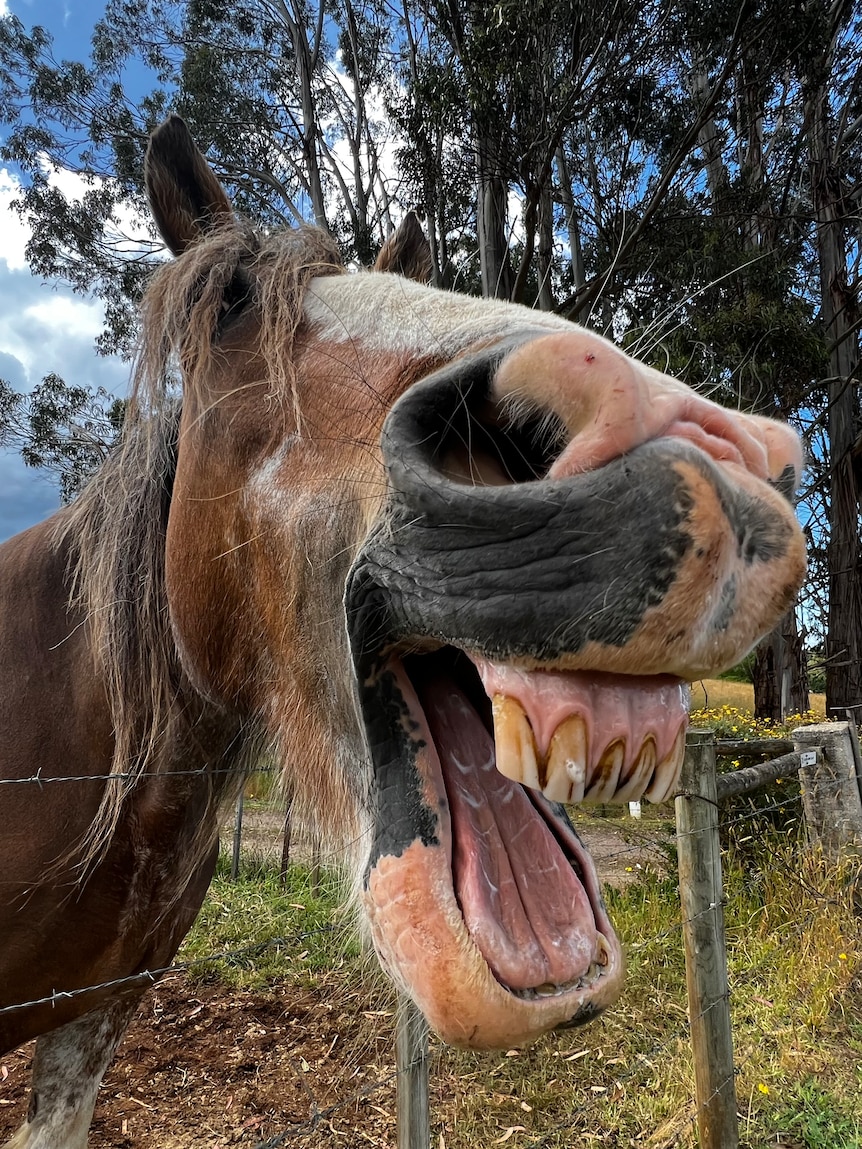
(68, 1067)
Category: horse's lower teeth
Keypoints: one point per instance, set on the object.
(549, 989)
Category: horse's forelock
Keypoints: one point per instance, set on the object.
(184, 305)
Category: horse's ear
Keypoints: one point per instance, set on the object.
(407, 251)
(186, 198)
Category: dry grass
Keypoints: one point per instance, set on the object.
(710, 693)
(794, 948)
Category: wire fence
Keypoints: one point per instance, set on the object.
(647, 847)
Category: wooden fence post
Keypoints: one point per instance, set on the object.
(699, 856)
(315, 875)
(285, 842)
(830, 788)
(411, 1087)
(237, 836)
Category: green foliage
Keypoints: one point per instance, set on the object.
(66, 429)
(819, 1119)
(741, 672)
(675, 145)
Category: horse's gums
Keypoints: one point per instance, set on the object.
(378, 497)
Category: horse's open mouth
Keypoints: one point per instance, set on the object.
(496, 879)
(585, 566)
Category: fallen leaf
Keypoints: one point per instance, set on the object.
(512, 1129)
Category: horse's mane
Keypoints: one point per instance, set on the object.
(116, 529)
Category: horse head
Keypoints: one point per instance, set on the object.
(457, 559)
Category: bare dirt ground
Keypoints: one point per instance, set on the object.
(206, 1067)
(620, 846)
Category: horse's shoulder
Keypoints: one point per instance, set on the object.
(33, 569)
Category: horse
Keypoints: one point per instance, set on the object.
(452, 561)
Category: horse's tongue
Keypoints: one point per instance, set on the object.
(522, 903)
(587, 737)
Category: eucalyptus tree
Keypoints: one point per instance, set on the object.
(66, 429)
(686, 179)
(830, 69)
(280, 92)
(745, 324)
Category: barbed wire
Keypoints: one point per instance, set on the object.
(149, 977)
(119, 776)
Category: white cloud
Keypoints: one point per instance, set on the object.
(68, 316)
(43, 328)
(46, 328)
(13, 231)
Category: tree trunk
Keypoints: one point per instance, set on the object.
(575, 253)
(545, 253)
(491, 217)
(839, 312)
(305, 60)
(779, 672)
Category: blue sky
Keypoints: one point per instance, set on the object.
(44, 327)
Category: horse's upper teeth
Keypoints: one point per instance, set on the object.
(568, 772)
(635, 781)
(606, 773)
(516, 746)
(666, 775)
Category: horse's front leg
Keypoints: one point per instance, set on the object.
(68, 1067)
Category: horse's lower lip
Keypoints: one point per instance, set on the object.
(525, 887)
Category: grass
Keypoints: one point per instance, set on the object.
(270, 930)
(714, 693)
(794, 957)
(811, 1115)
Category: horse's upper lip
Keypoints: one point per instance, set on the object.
(661, 561)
